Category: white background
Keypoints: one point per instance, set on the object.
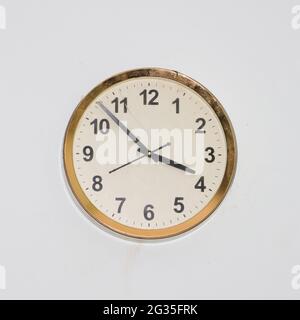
(53, 52)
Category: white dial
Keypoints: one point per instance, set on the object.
(149, 154)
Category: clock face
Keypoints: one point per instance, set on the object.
(149, 153)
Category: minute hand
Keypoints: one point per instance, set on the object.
(170, 162)
(135, 139)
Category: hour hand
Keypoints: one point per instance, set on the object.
(170, 162)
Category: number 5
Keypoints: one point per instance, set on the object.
(180, 206)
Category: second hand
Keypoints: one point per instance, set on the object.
(143, 156)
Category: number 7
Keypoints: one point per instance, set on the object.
(122, 200)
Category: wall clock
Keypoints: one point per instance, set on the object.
(125, 153)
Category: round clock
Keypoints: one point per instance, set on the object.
(149, 153)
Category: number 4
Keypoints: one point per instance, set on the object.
(200, 184)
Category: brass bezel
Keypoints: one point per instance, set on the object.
(144, 233)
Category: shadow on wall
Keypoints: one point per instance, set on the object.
(2, 278)
(2, 18)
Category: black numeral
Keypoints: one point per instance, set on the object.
(88, 153)
(211, 152)
(102, 125)
(117, 103)
(176, 102)
(148, 212)
(200, 184)
(97, 183)
(154, 95)
(122, 200)
(179, 204)
(201, 126)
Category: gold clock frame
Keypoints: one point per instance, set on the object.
(103, 219)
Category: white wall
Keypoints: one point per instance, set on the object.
(53, 52)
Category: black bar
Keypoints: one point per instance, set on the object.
(152, 309)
